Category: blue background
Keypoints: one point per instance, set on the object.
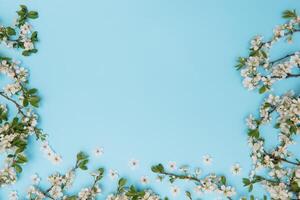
(151, 80)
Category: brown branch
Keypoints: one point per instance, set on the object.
(185, 177)
(282, 58)
(19, 107)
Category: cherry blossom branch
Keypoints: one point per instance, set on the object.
(18, 106)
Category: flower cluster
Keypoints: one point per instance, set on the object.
(62, 183)
(283, 168)
(131, 193)
(20, 35)
(258, 70)
(207, 184)
(275, 168)
(18, 120)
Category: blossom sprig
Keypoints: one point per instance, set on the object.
(283, 168)
(61, 184)
(18, 118)
(16, 130)
(258, 70)
(20, 35)
(125, 192)
(209, 183)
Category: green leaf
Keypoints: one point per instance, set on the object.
(23, 11)
(158, 168)
(34, 36)
(240, 63)
(246, 181)
(81, 156)
(82, 164)
(10, 31)
(82, 160)
(263, 89)
(250, 187)
(32, 91)
(254, 133)
(25, 102)
(188, 194)
(295, 187)
(18, 168)
(71, 198)
(293, 129)
(33, 15)
(288, 14)
(121, 184)
(21, 159)
(34, 101)
(26, 53)
(264, 54)
(223, 180)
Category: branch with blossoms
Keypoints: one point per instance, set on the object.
(207, 184)
(20, 35)
(62, 183)
(282, 167)
(18, 125)
(258, 70)
(276, 168)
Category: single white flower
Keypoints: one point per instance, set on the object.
(35, 179)
(207, 159)
(113, 174)
(172, 165)
(134, 164)
(236, 169)
(13, 195)
(45, 147)
(144, 180)
(98, 151)
(56, 159)
(175, 191)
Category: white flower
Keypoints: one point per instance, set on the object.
(172, 165)
(56, 159)
(297, 173)
(50, 154)
(251, 123)
(113, 174)
(228, 191)
(144, 180)
(28, 45)
(56, 192)
(175, 191)
(236, 169)
(98, 151)
(25, 29)
(110, 197)
(134, 164)
(35, 179)
(13, 195)
(198, 171)
(45, 146)
(84, 194)
(207, 159)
